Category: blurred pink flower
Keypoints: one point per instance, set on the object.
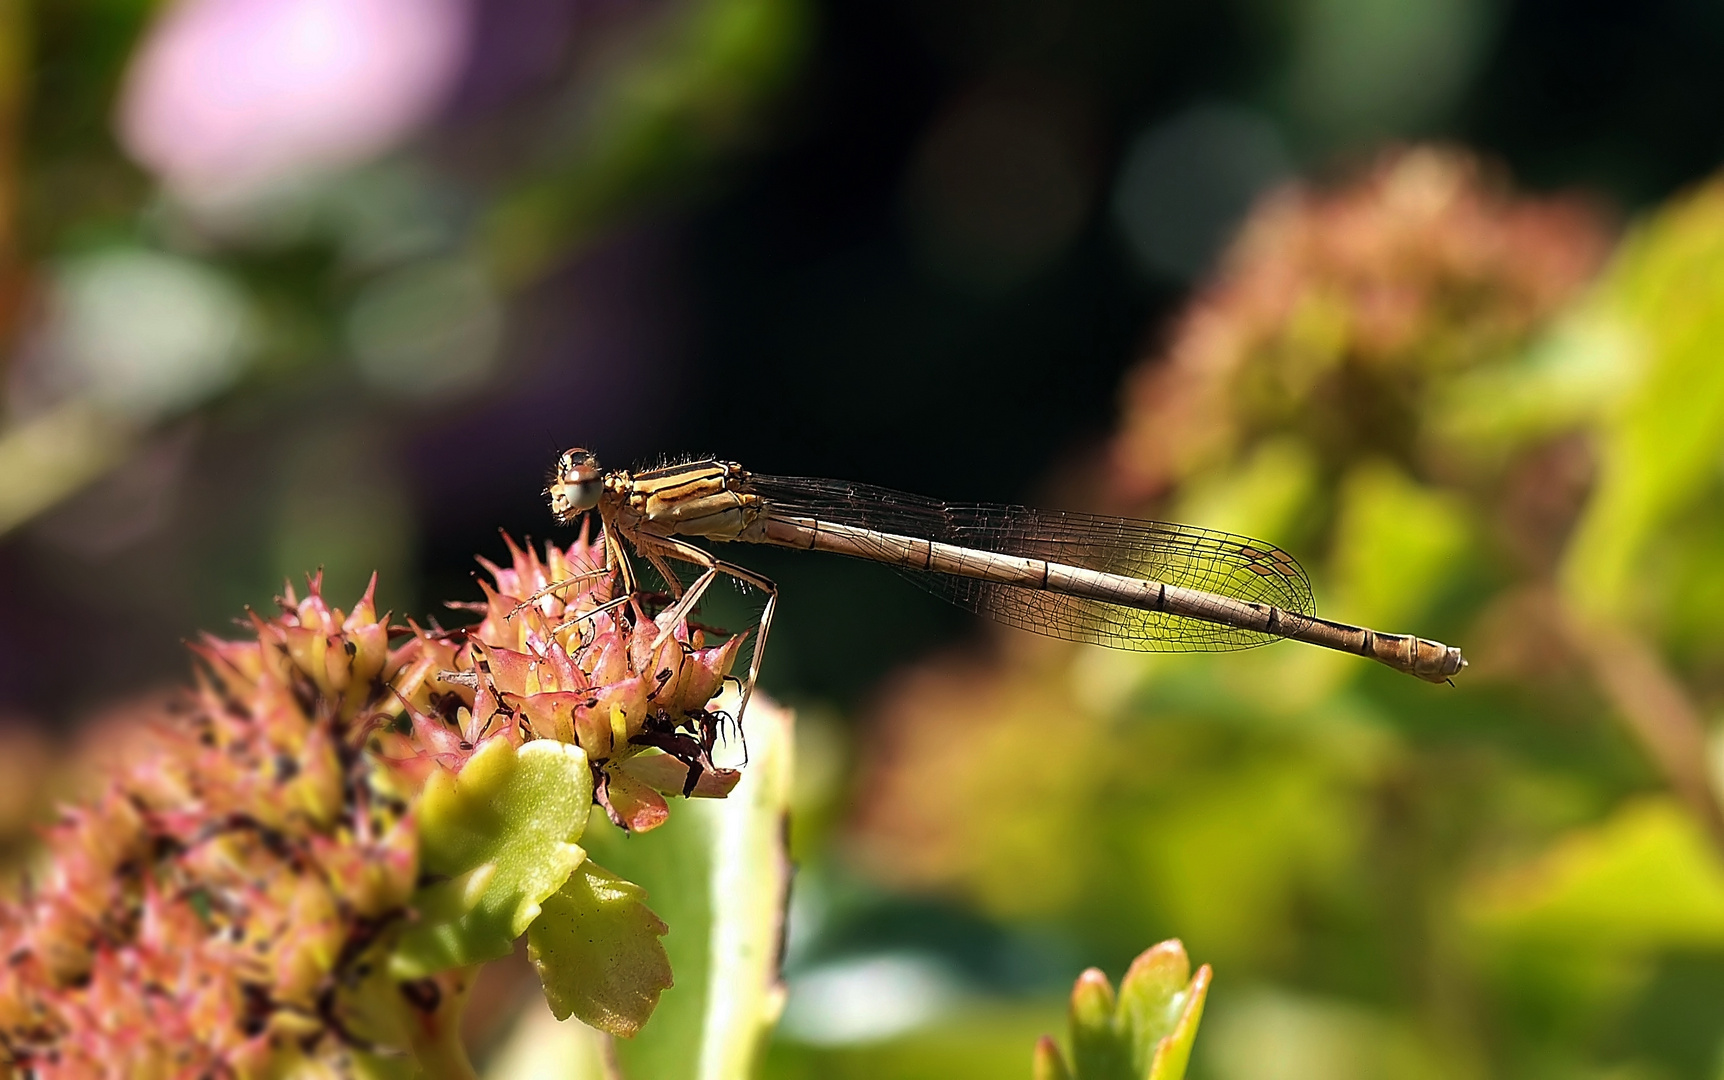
(231, 95)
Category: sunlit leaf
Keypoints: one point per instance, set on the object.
(1144, 1032)
(502, 833)
(596, 946)
(1161, 1003)
(717, 874)
(1647, 877)
(1383, 511)
(1283, 1033)
(1662, 444)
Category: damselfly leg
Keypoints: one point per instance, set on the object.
(556, 587)
(712, 567)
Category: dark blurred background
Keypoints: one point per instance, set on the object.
(288, 284)
(916, 245)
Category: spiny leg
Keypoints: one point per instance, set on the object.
(598, 571)
(665, 572)
(677, 549)
(616, 556)
(617, 561)
(612, 553)
(685, 605)
(608, 605)
(766, 613)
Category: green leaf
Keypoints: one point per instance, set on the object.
(1260, 495)
(1097, 1050)
(1185, 1009)
(1646, 878)
(1383, 510)
(366, 1066)
(1047, 1063)
(596, 947)
(1660, 445)
(503, 834)
(717, 873)
(1144, 1032)
(1564, 382)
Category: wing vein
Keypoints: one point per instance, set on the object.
(1194, 558)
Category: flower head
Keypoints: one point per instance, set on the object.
(210, 911)
(1334, 310)
(233, 95)
(573, 663)
(228, 902)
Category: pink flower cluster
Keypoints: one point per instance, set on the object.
(207, 914)
(227, 904)
(616, 683)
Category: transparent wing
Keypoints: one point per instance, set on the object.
(1204, 559)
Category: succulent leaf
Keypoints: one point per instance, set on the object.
(1144, 1032)
(596, 947)
(504, 828)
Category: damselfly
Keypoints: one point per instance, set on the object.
(1127, 584)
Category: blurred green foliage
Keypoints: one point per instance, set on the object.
(697, 83)
(1514, 877)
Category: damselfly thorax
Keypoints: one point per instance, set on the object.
(1127, 584)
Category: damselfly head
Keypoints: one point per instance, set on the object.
(575, 484)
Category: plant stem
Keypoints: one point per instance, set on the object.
(435, 1033)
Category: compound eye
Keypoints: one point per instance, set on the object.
(575, 485)
(576, 463)
(585, 494)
